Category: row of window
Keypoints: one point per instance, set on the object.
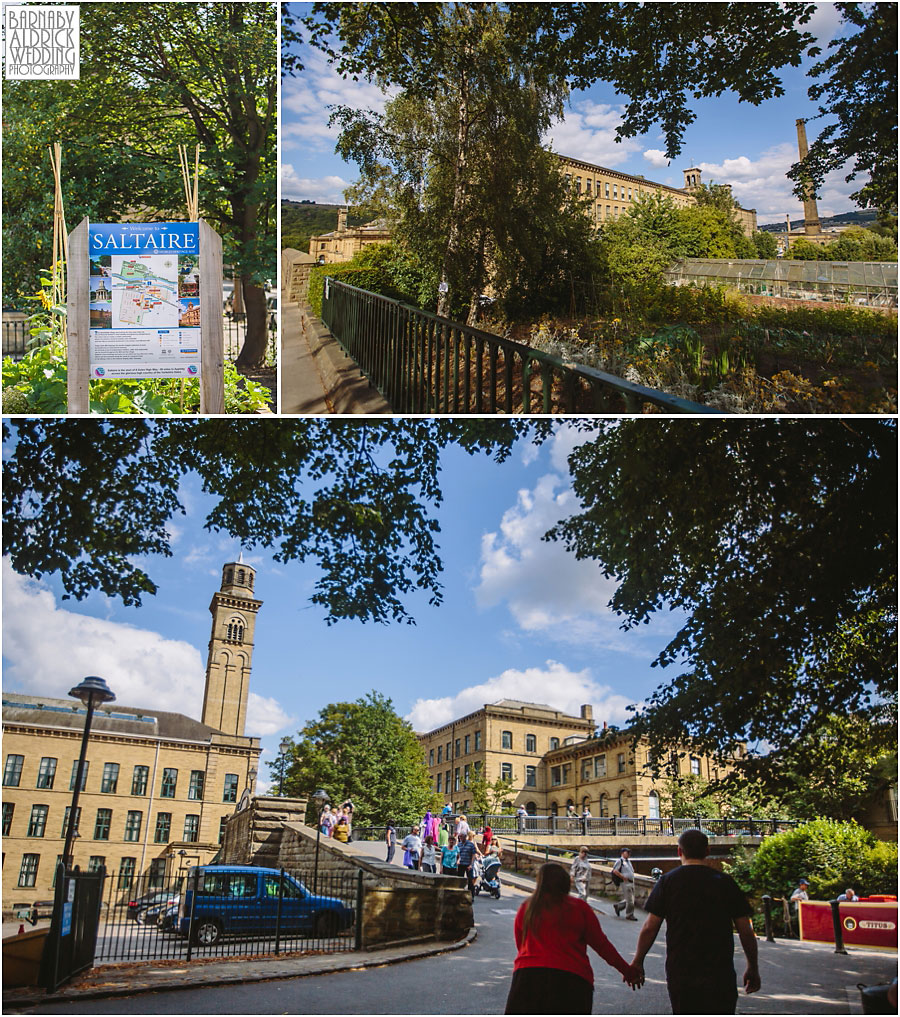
(37, 823)
(31, 862)
(591, 188)
(462, 776)
(472, 743)
(109, 781)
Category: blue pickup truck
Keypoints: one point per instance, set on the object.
(243, 899)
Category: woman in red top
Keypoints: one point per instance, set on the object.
(552, 973)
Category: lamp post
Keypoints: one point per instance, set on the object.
(92, 692)
(283, 748)
(321, 797)
(251, 778)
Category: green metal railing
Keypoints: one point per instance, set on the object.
(422, 363)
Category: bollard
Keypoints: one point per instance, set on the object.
(21, 931)
(767, 910)
(838, 929)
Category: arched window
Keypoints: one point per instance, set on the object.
(623, 802)
(530, 743)
(235, 631)
(554, 809)
(229, 575)
(531, 808)
(653, 805)
(585, 803)
(241, 577)
(250, 580)
(601, 805)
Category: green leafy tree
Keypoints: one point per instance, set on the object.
(471, 192)
(365, 752)
(646, 51)
(858, 94)
(801, 249)
(152, 76)
(831, 855)
(89, 499)
(766, 244)
(778, 543)
(489, 797)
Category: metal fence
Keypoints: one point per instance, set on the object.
(17, 337)
(425, 364)
(605, 826)
(144, 921)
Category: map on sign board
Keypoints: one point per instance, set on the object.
(145, 300)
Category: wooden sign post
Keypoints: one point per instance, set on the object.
(212, 338)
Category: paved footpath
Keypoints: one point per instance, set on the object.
(798, 978)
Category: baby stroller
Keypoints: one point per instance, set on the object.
(489, 880)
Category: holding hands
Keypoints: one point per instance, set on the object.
(634, 976)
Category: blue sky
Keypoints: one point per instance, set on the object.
(750, 147)
(521, 618)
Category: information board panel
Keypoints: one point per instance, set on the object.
(144, 300)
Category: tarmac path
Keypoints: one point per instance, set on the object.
(798, 978)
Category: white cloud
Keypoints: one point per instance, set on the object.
(656, 157)
(328, 190)
(588, 132)
(761, 184)
(265, 716)
(553, 684)
(143, 668)
(305, 102)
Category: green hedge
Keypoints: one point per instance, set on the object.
(831, 855)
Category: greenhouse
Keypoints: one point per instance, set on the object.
(864, 283)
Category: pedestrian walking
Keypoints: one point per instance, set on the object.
(581, 874)
(429, 861)
(390, 838)
(623, 874)
(552, 972)
(443, 836)
(412, 849)
(468, 852)
(699, 905)
(450, 858)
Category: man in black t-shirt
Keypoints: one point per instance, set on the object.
(699, 905)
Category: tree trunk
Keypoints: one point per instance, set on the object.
(459, 191)
(253, 352)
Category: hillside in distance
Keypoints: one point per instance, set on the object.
(861, 217)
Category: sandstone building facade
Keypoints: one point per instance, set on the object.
(554, 760)
(156, 783)
(613, 193)
(345, 243)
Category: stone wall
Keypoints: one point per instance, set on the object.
(253, 835)
(601, 875)
(398, 905)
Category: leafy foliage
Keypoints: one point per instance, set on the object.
(87, 499)
(152, 76)
(831, 855)
(387, 269)
(363, 751)
(854, 244)
(860, 95)
(778, 542)
(489, 797)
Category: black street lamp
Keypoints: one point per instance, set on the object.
(283, 748)
(92, 692)
(321, 797)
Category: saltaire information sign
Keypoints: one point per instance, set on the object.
(144, 300)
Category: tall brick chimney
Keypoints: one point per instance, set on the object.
(810, 209)
(342, 220)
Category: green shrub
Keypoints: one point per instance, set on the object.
(381, 268)
(831, 855)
